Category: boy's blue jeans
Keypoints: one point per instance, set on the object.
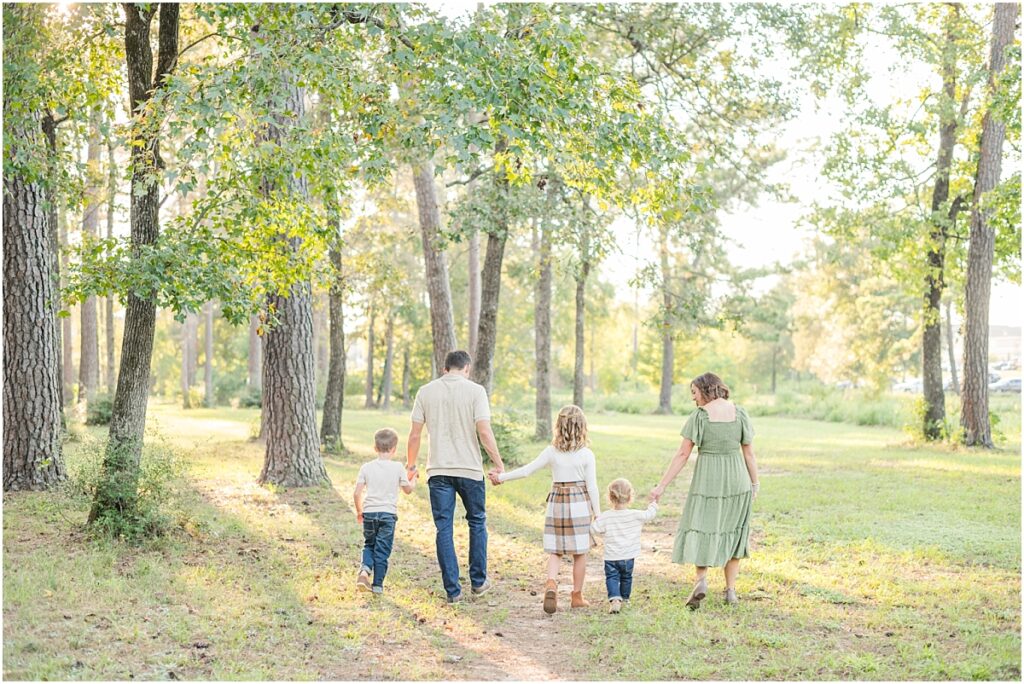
(618, 579)
(443, 489)
(378, 538)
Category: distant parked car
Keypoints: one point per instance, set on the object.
(993, 377)
(912, 385)
(844, 385)
(1008, 385)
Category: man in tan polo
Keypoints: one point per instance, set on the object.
(455, 411)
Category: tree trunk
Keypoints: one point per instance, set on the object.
(57, 232)
(577, 375)
(542, 334)
(255, 360)
(334, 400)
(490, 286)
(384, 396)
(954, 380)
(931, 344)
(323, 336)
(111, 209)
(442, 322)
(89, 348)
(32, 392)
(775, 357)
(371, 317)
(474, 291)
(974, 414)
(67, 331)
(128, 419)
(193, 347)
(406, 400)
(668, 350)
(292, 457)
(186, 400)
(208, 353)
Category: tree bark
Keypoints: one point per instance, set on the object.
(950, 350)
(474, 291)
(442, 321)
(931, 344)
(67, 327)
(32, 392)
(334, 400)
(128, 419)
(577, 376)
(208, 353)
(371, 317)
(111, 209)
(406, 371)
(490, 285)
(323, 335)
(89, 351)
(668, 350)
(186, 400)
(974, 413)
(384, 395)
(542, 334)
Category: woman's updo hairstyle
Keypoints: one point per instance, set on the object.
(710, 387)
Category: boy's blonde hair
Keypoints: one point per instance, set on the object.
(570, 429)
(620, 491)
(384, 440)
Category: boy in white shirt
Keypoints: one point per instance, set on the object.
(378, 512)
(621, 527)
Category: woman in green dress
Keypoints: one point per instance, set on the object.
(715, 526)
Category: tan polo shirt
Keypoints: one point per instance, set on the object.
(450, 407)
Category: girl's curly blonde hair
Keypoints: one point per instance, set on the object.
(570, 429)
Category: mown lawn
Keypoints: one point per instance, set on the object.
(873, 559)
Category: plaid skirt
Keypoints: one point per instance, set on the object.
(567, 524)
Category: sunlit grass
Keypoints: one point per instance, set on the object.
(873, 559)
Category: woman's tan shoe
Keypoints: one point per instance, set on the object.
(700, 590)
(730, 597)
(550, 597)
(578, 601)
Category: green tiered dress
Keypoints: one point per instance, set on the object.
(715, 526)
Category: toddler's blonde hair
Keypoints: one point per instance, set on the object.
(570, 429)
(620, 491)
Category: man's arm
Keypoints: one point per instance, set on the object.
(483, 428)
(413, 446)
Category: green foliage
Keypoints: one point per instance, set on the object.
(100, 409)
(154, 499)
(510, 433)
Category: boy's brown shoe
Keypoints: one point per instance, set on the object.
(363, 581)
(550, 597)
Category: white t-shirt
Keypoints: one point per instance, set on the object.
(621, 530)
(450, 407)
(382, 478)
(566, 466)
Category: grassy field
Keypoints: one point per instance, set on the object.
(873, 559)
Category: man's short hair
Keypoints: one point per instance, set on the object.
(384, 440)
(457, 360)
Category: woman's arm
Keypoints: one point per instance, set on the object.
(751, 461)
(678, 461)
(528, 469)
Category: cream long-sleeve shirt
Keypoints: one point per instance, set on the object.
(566, 466)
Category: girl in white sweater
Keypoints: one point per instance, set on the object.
(572, 503)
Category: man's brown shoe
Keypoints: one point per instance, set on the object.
(550, 597)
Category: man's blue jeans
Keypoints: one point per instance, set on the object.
(378, 538)
(443, 489)
(618, 579)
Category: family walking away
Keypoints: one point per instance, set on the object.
(714, 529)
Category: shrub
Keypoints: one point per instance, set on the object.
(150, 499)
(250, 397)
(509, 433)
(100, 409)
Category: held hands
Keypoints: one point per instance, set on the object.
(493, 477)
(656, 493)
